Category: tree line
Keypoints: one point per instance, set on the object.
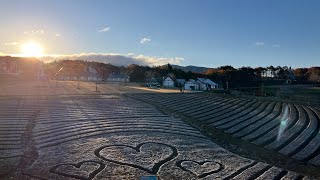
(236, 77)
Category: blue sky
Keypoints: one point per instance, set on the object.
(203, 32)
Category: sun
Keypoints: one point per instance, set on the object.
(31, 49)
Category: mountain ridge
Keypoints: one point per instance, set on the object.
(195, 69)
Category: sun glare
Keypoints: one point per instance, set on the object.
(32, 49)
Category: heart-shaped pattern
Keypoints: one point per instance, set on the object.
(200, 169)
(148, 156)
(84, 170)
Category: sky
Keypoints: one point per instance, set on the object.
(207, 33)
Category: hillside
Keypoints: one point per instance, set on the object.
(195, 69)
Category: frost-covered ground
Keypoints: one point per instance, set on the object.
(112, 137)
(45, 88)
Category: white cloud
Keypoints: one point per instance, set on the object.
(145, 40)
(11, 43)
(57, 35)
(276, 45)
(34, 32)
(117, 59)
(104, 29)
(259, 44)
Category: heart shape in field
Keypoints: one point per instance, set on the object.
(200, 169)
(84, 170)
(148, 156)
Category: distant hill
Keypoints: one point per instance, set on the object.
(195, 69)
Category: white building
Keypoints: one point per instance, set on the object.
(210, 84)
(88, 74)
(168, 82)
(201, 84)
(191, 84)
(118, 78)
(40, 71)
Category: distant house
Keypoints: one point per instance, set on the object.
(210, 84)
(206, 84)
(201, 84)
(153, 82)
(94, 78)
(268, 74)
(91, 74)
(87, 74)
(63, 77)
(191, 84)
(118, 78)
(291, 79)
(39, 69)
(168, 82)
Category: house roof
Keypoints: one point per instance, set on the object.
(171, 76)
(191, 81)
(168, 77)
(201, 79)
(153, 81)
(91, 71)
(208, 81)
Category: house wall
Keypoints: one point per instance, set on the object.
(211, 84)
(118, 79)
(168, 82)
(81, 78)
(191, 86)
(202, 86)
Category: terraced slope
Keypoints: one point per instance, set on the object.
(120, 138)
(16, 117)
(290, 129)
